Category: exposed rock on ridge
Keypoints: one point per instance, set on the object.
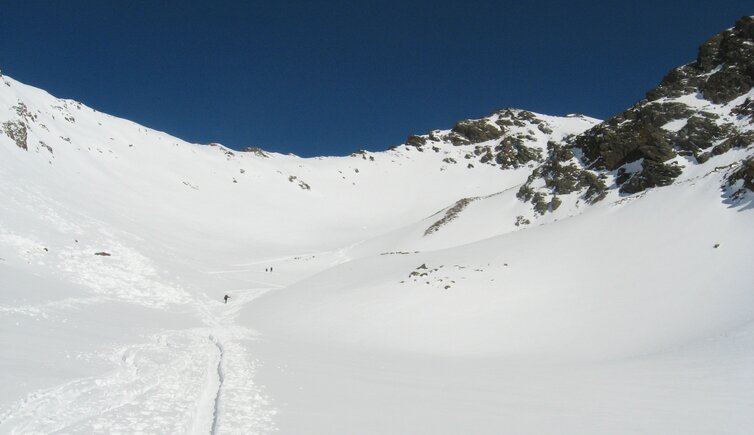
(723, 71)
(508, 138)
(698, 111)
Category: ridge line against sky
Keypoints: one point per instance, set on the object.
(327, 78)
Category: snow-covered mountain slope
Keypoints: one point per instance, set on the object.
(66, 142)
(517, 273)
(547, 290)
(182, 224)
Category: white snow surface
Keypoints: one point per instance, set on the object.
(635, 315)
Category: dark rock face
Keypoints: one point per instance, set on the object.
(734, 54)
(512, 153)
(562, 175)
(700, 132)
(480, 130)
(653, 174)
(745, 175)
(723, 70)
(745, 109)
(416, 141)
(737, 140)
(634, 134)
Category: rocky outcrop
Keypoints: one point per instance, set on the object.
(511, 152)
(256, 151)
(745, 109)
(723, 70)
(474, 131)
(228, 153)
(683, 121)
(742, 179)
(645, 146)
(416, 141)
(506, 138)
(635, 134)
(562, 174)
(701, 132)
(652, 174)
(450, 215)
(16, 130)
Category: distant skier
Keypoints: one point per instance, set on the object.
(226, 298)
(270, 269)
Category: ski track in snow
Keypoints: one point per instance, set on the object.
(175, 382)
(220, 380)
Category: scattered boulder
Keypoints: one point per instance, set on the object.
(23, 113)
(520, 220)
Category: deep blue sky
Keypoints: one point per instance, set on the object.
(329, 78)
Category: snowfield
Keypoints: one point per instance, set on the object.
(391, 292)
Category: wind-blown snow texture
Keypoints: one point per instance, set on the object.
(519, 273)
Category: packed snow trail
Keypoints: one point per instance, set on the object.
(220, 380)
(175, 382)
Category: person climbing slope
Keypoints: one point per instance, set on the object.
(226, 298)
